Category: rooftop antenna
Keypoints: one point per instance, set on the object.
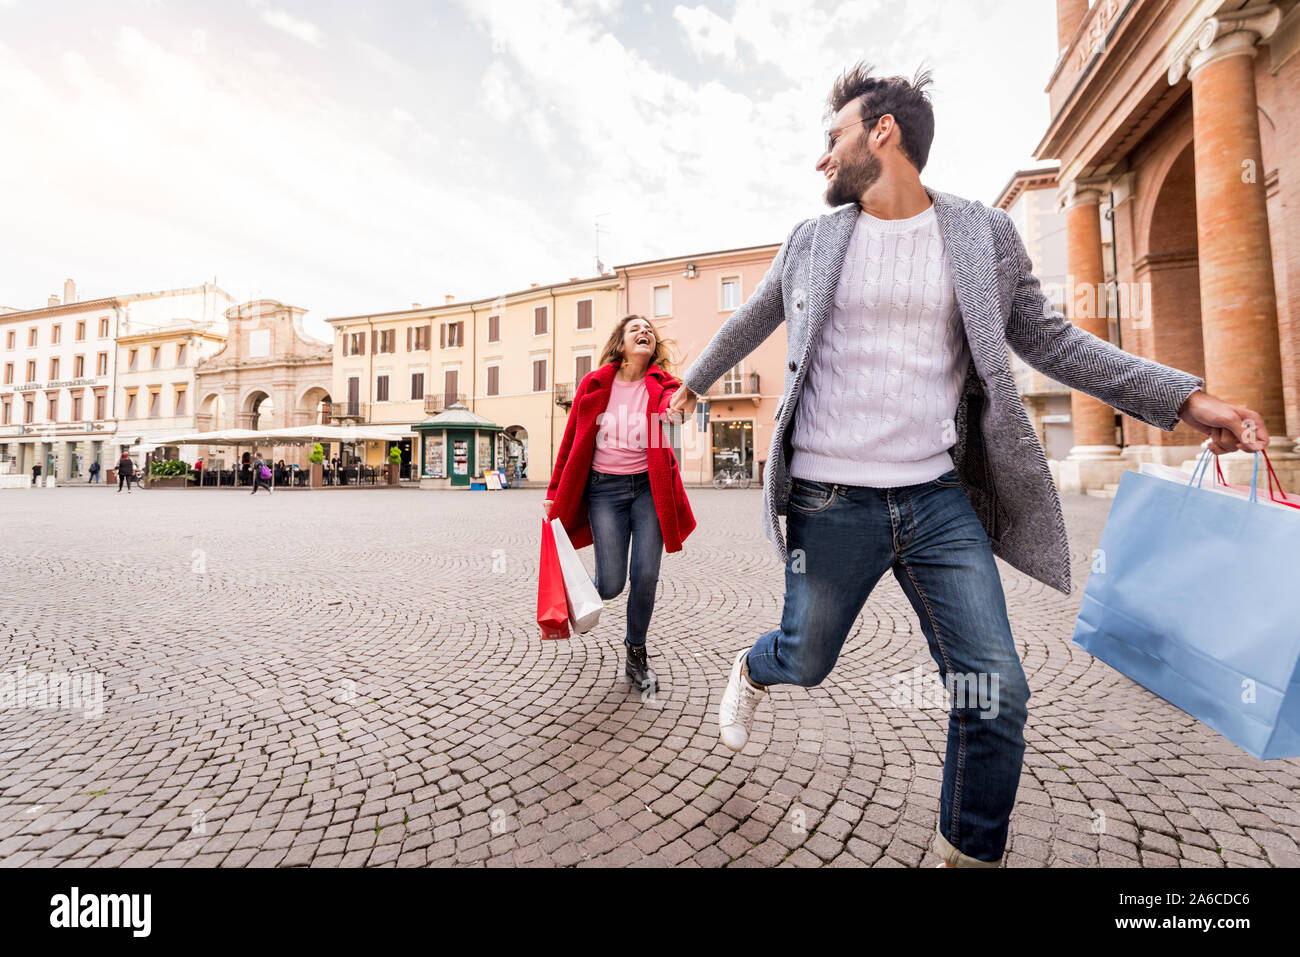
(600, 266)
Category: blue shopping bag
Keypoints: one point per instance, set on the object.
(1193, 595)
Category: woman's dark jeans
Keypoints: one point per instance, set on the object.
(623, 519)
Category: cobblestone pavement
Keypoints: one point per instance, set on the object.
(353, 677)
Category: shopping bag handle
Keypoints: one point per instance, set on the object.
(1275, 492)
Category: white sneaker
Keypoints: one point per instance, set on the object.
(739, 701)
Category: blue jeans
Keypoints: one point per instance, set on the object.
(622, 513)
(842, 539)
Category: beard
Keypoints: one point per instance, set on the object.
(854, 177)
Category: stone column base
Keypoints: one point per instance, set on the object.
(1089, 467)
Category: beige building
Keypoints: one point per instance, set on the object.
(155, 381)
(270, 374)
(513, 359)
(59, 401)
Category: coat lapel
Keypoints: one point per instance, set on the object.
(968, 245)
(829, 244)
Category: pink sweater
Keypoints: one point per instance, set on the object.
(621, 430)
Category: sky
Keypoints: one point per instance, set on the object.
(354, 158)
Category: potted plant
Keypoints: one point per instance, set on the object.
(394, 465)
(171, 473)
(317, 469)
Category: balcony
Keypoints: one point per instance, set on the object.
(564, 395)
(440, 402)
(339, 411)
(744, 388)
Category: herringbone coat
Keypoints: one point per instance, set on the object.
(998, 457)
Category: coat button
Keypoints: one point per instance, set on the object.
(792, 366)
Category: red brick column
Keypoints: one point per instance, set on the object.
(1243, 361)
(1086, 304)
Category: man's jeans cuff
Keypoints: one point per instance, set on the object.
(956, 858)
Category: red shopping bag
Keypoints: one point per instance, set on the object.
(552, 606)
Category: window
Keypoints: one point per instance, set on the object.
(155, 357)
(9, 340)
(130, 405)
(99, 405)
(493, 380)
(381, 388)
(103, 327)
(452, 335)
(354, 396)
(581, 366)
(76, 407)
(417, 385)
(8, 412)
(131, 362)
(31, 336)
(355, 344)
(54, 368)
(56, 334)
(584, 313)
(422, 336)
(180, 354)
(733, 380)
(731, 293)
(53, 410)
(450, 387)
(539, 375)
(31, 370)
(9, 373)
(663, 301)
(28, 410)
(539, 321)
(494, 328)
(78, 366)
(180, 402)
(101, 364)
(81, 330)
(154, 403)
(388, 340)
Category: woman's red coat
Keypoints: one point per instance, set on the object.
(568, 488)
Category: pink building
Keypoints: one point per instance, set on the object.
(688, 298)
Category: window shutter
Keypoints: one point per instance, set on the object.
(442, 335)
(584, 314)
(539, 320)
(410, 333)
(494, 380)
(374, 342)
(428, 335)
(347, 336)
(361, 343)
(582, 367)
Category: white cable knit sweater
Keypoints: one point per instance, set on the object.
(886, 374)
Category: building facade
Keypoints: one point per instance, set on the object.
(59, 401)
(156, 379)
(513, 359)
(270, 374)
(1183, 115)
(1030, 200)
(688, 298)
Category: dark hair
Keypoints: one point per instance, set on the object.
(907, 101)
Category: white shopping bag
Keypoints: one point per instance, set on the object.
(584, 600)
(1207, 483)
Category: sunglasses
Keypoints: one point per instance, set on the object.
(832, 136)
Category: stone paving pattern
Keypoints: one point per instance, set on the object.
(355, 678)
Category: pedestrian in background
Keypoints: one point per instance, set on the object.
(125, 472)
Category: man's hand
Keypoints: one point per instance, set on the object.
(546, 508)
(1231, 428)
(682, 406)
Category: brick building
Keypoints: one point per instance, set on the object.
(1183, 116)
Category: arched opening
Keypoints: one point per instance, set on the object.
(1164, 308)
(513, 453)
(313, 407)
(259, 411)
(211, 414)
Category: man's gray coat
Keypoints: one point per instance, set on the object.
(998, 457)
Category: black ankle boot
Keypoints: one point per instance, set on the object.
(638, 669)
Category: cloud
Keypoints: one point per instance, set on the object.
(303, 30)
(707, 34)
